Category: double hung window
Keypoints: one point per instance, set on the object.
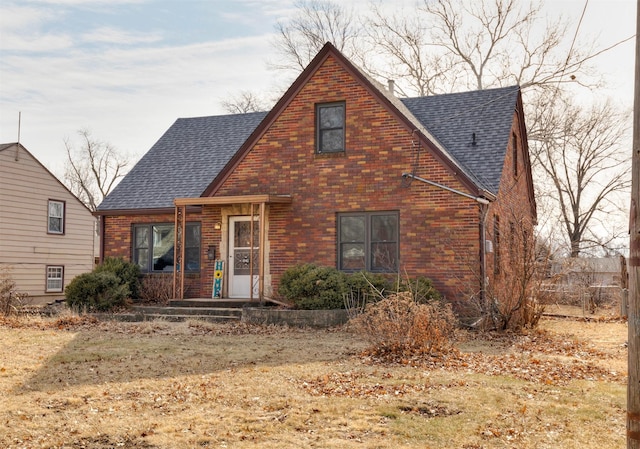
(368, 241)
(55, 217)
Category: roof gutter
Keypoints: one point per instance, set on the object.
(479, 199)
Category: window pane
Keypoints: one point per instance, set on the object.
(192, 247)
(384, 228)
(352, 229)
(55, 224)
(384, 257)
(352, 256)
(142, 237)
(141, 258)
(332, 116)
(242, 234)
(331, 140)
(55, 209)
(163, 247)
(192, 259)
(192, 236)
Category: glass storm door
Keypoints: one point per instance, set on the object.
(240, 242)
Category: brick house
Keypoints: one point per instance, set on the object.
(339, 173)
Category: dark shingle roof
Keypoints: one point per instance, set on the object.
(183, 162)
(193, 151)
(454, 118)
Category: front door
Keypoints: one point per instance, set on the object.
(240, 244)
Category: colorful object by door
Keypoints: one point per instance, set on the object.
(217, 279)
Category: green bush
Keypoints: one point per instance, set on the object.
(96, 291)
(310, 286)
(127, 272)
(372, 284)
(421, 289)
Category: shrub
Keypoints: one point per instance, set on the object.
(127, 272)
(310, 286)
(421, 289)
(157, 288)
(10, 299)
(96, 291)
(400, 326)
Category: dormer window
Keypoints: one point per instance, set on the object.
(330, 125)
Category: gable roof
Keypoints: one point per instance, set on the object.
(183, 161)
(474, 127)
(19, 147)
(209, 148)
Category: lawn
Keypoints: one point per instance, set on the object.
(74, 383)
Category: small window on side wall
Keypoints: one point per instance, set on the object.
(55, 278)
(330, 128)
(55, 217)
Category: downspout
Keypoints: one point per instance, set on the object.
(483, 204)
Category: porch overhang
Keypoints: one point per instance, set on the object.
(239, 199)
(181, 205)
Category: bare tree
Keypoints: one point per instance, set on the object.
(245, 101)
(93, 168)
(465, 44)
(579, 152)
(315, 23)
(298, 40)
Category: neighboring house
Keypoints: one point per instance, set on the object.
(47, 236)
(588, 271)
(339, 173)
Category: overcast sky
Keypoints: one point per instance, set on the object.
(126, 69)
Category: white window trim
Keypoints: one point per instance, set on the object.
(56, 270)
(62, 217)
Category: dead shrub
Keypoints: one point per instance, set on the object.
(156, 288)
(11, 301)
(400, 326)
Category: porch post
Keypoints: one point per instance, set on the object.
(262, 251)
(178, 251)
(251, 242)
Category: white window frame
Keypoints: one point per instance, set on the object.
(52, 214)
(55, 273)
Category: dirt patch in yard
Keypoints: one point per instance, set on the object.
(79, 383)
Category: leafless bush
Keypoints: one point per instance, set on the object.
(10, 299)
(398, 325)
(156, 288)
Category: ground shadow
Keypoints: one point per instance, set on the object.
(95, 357)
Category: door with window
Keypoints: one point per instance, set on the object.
(244, 239)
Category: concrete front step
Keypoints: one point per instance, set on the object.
(218, 303)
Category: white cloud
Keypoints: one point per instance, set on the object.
(110, 35)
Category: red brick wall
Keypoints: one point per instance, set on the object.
(118, 235)
(436, 226)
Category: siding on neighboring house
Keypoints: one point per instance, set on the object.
(26, 247)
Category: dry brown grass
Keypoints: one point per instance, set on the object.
(81, 384)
